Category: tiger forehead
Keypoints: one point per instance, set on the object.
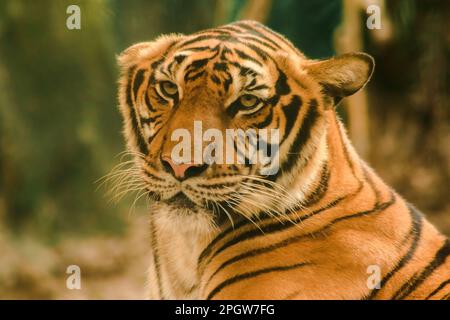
(247, 33)
(245, 45)
(221, 62)
(218, 55)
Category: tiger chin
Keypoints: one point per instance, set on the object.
(322, 226)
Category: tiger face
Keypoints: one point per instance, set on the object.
(241, 76)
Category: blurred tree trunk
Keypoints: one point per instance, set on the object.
(350, 38)
(410, 118)
(257, 10)
(56, 123)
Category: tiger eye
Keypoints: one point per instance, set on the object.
(169, 88)
(248, 100)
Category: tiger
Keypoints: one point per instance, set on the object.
(322, 226)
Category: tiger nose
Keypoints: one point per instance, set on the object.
(182, 171)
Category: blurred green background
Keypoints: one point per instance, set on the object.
(60, 129)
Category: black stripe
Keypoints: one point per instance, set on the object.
(148, 103)
(206, 252)
(230, 28)
(318, 193)
(281, 88)
(416, 233)
(216, 31)
(179, 58)
(220, 66)
(267, 120)
(224, 52)
(142, 146)
(258, 87)
(278, 36)
(346, 154)
(228, 81)
(216, 185)
(379, 207)
(233, 108)
(215, 79)
(417, 279)
(257, 33)
(156, 259)
(192, 71)
(252, 83)
(138, 79)
(170, 66)
(197, 64)
(150, 119)
(152, 176)
(190, 76)
(259, 41)
(439, 288)
(291, 112)
(245, 56)
(369, 179)
(198, 49)
(156, 131)
(203, 37)
(253, 274)
(291, 295)
(302, 137)
(260, 52)
(244, 71)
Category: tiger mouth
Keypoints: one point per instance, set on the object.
(180, 200)
(220, 211)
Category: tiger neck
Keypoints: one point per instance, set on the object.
(341, 170)
(177, 240)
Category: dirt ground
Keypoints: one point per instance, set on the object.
(111, 267)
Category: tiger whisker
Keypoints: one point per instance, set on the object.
(139, 195)
(228, 215)
(276, 198)
(279, 187)
(230, 202)
(248, 215)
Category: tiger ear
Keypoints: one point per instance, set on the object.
(343, 75)
(145, 50)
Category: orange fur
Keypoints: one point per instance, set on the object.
(316, 228)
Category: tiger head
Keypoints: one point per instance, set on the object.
(239, 76)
